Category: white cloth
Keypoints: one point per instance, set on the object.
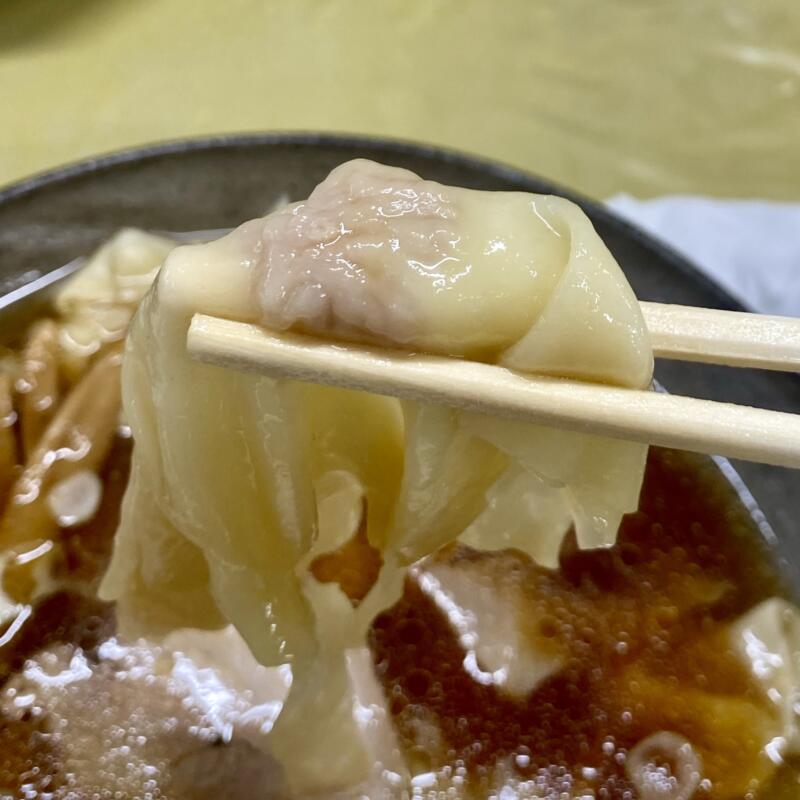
(750, 247)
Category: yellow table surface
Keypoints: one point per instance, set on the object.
(643, 96)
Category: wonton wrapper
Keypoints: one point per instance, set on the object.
(239, 481)
(97, 303)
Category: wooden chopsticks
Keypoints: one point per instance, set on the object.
(734, 338)
(703, 426)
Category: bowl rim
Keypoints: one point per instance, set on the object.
(158, 149)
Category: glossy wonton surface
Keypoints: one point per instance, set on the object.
(241, 483)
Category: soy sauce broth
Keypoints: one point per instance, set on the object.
(644, 625)
(642, 633)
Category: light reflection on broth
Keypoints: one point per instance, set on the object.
(661, 668)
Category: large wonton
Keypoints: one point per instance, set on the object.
(240, 481)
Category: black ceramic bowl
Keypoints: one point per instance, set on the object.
(214, 183)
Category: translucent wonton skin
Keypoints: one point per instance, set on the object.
(768, 640)
(246, 479)
(98, 302)
(377, 253)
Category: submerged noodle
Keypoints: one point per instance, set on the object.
(240, 482)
